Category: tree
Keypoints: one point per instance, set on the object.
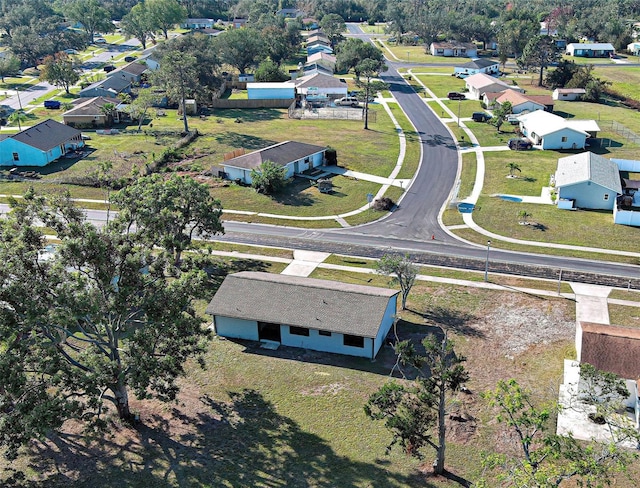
(139, 107)
(18, 117)
(333, 26)
(240, 48)
(281, 43)
(548, 459)
(366, 70)
(99, 319)
(562, 74)
(500, 114)
(9, 66)
(91, 14)
(411, 412)
(524, 217)
(168, 213)
(59, 71)
(270, 71)
(177, 74)
(164, 14)
(138, 23)
(268, 178)
(540, 52)
(513, 167)
(594, 90)
(352, 51)
(404, 272)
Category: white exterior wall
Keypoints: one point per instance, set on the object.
(236, 328)
(530, 106)
(386, 324)
(626, 217)
(333, 343)
(238, 173)
(565, 96)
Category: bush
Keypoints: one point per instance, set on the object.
(268, 178)
(331, 155)
(383, 204)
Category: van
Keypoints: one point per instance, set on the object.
(480, 116)
(455, 96)
(519, 144)
(52, 104)
(348, 101)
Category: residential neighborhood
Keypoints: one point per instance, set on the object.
(361, 244)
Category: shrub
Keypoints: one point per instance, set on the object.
(383, 204)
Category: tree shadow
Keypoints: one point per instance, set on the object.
(539, 226)
(451, 319)
(529, 179)
(248, 115)
(292, 194)
(243, 141)
(434, 140)
(244, 442)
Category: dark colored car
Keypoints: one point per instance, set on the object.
(129, 59)
(108, 68)
(519, 144)
(52, 104)
(455, 96)
(480, 116)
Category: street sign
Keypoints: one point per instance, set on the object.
(369, 197)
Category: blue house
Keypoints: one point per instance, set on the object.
(296, 311)
(587, 180)
(198, 24)
(39, 145)
(294, 156)
(271, 91)
(318, 47)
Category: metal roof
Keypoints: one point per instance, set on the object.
(302, 302)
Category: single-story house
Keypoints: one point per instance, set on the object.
(290, 13)
(313, 68)
(590, 50)
(295, 156)
(320, 37)
(271, 91)
(89, 112)
(519, 102)
(634, 48)
(550, 131)
(320, 84)
(152, 62)
(310, 24)
(475, 66)
(318, 47)
(237, 23)
(198, 24)
(295, 311)
(323, 59)
(568, 94)
(455, 49)
(131, 72)
(109, 87)
(482, 83)
(39, 145)
(587, 180)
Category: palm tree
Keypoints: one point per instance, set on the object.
(107, 109)
(18, 116)
(513, 167)
(524, 217)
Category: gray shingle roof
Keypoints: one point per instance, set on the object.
(47, 134)
(588, 166)
(480, 63)
(114, 83)
(319, 80)
(90, 106)
(282, 154)
(302, 302)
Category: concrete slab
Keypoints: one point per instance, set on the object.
(300, 268)
(590, 290)
(311, 256)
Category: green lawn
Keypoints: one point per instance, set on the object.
(412, 153)
(625, 80)
(467, 175)
(624, 315)
(373, 29)
(488, 135)
(441, 85)
(536, 168)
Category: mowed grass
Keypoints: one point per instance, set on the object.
(536, 168)
(463, 107)
(488, 134)
(441, 85)
(624, 315)
(412, 139)
(467, 175)
(624, 80)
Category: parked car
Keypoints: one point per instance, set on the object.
(344, 101)
(129, 59)
(480, 116)
(52, 104)
(70, 51)
(108, 68)
(455, 96)
(519, 144)
(99, 40)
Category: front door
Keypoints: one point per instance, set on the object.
(269, 332)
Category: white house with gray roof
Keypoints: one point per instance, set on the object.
(296, 311)
(475, 66)
(550, 131)
(587, 180)
(294, 156)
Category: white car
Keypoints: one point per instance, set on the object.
(100, 40)
(348, 101)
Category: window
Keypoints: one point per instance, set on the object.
(324, 333)
(606, 196)
(16, 157)
(301, 331)
(353, 341)
(564, 138)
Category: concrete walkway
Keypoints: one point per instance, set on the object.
(591, 303)
(304, 262)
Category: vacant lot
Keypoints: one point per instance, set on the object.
(258, 418)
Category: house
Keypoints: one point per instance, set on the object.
(131, 72)
(320, 37)
(313, 68)
(475, 66)
(519, 102)
(89, 112)
(109, 87)
(482, 83)
(271, 91)
(323, 59)
(587, 180)
(295, 311)
(634, 48)
(310, 23)
(590, 50)
(290, 13)
(550, 131)
(627, 209)
(455, 49)
(238, 23)
(39, 145)
(194, 24)
(568, 94)
(318, 47)
(320, 84)
(295, 156)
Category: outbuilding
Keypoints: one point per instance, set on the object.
(271, 91)
(296, 311)
(568, 94)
